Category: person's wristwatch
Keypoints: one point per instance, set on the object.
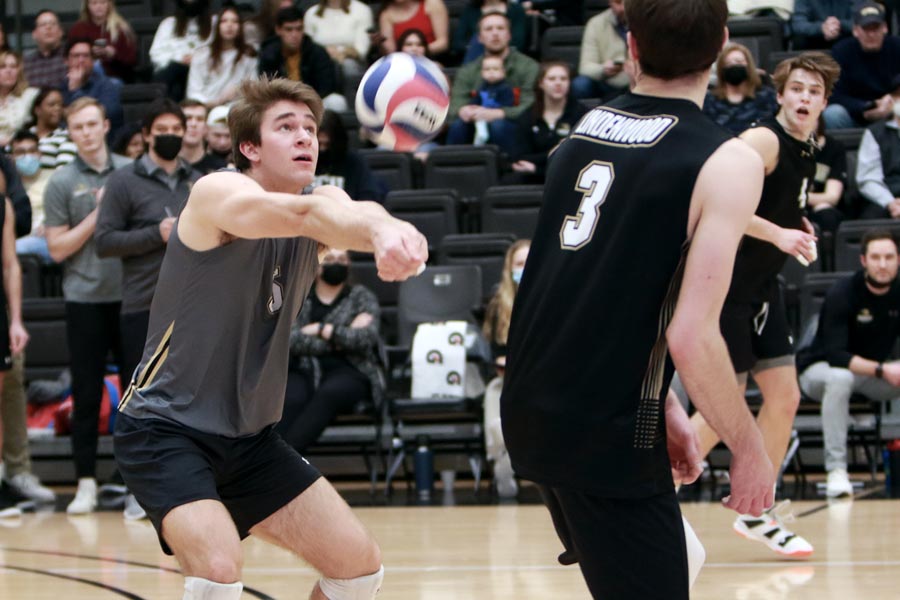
(879, 371)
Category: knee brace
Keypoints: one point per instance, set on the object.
(197, 588)
(358, 588)
(696, 554)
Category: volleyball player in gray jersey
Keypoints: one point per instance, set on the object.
(194, 440)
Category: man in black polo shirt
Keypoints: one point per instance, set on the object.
(858, 326)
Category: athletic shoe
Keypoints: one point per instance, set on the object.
(770, 530)
(133, 511)
(29, 486)
(85, 500)
(839, 485)
(505, 478)
(8, 507)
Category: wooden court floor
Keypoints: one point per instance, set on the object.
(462, 552)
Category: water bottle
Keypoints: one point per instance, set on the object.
(424, 468)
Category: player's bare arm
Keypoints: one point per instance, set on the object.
(231, 204)
(12, 281)
(726, 195)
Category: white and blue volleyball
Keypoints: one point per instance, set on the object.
(402, 101)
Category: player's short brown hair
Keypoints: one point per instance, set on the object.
(255, 97)
(676, 37)
(818, 63)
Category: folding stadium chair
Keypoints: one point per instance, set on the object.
(434, 212)
(849, 236)
(563, 43)
(470, 170)
(761, 35)
(395, 169)
(486, 250)
(511, 209)
(137, 98)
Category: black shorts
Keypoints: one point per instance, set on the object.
(757, 333)
(165, 465)
(627, 548)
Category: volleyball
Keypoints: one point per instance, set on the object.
(402, 101)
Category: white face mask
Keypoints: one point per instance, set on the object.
(897, 109)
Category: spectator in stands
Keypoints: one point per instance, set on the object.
(878, 165)
(25, 151)
(113, 42)
(827, 189)
(465, 38)
(494, 92)
(218, 136)
(561, 13)
(298, 58)
(550, 120)
(92, 285)
(16, 98)
(600, 67)
(129, 141)
(869, 62)
(218, 69)
(334, 362)
(858, 326)
(739, 97)
(83, 80)
(496, 329)
(193, 147)
(521, 72)
(260, 29)
(45, 66)
(818, 24)
(428, 16)
(140, 205)
(53, 138)
(340, 166)
(342, 28)
(176, 40)
(413, 41)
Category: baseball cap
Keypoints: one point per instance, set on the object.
(868, 13)
(219, 114)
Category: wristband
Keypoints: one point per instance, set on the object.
(879, 371)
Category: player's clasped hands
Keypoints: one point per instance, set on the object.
(752, 481)
(400, 250)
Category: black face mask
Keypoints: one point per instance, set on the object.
(735, 74)
(167, 146)
(877, 284)
(335, 274)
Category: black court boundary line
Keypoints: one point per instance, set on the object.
(98, 584)
(252, 591)
(826, 504)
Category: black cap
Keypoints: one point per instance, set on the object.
(868, 13)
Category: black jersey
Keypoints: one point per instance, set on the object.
(588, 366)
(783, 203)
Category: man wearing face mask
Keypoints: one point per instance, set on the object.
(878, 165)
(334, 353)
(140, 204)
(27, 155)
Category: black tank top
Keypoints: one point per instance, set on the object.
(783, 202)
(588, 366)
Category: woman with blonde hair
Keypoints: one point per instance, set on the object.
(496, 330)
(16, 98)
(114, 42)
(739, 97)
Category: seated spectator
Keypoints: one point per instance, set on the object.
(428, 16)
(818, 24)
(340, 166)
(53, 138)
(296, 57)
(176, 40)
(45, 66)
(562, 13)
(603, 53)
(84, 80)
(496, 329)
(334, 354)
(218, 136)
(739, 97)
(342, 28)
(878, 165)
(521, 73)
(218, 69)
(16, 98)
(465, 38)
(113, 41)
(26, 153)
(824, 198)
(129, 142)
(549, 121)
(858, 326)
(193, 145)
(413, 42)
(494, 92)
(869, 62)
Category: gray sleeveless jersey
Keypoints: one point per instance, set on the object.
(216, 356)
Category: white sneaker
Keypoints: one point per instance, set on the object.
(133, 511)
(838, 485)
(29, 486)
(505, 478)
(769, 529)
(85, 500)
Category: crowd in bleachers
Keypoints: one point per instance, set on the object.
(522, 74)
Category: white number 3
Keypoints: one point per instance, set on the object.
(595, 181)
